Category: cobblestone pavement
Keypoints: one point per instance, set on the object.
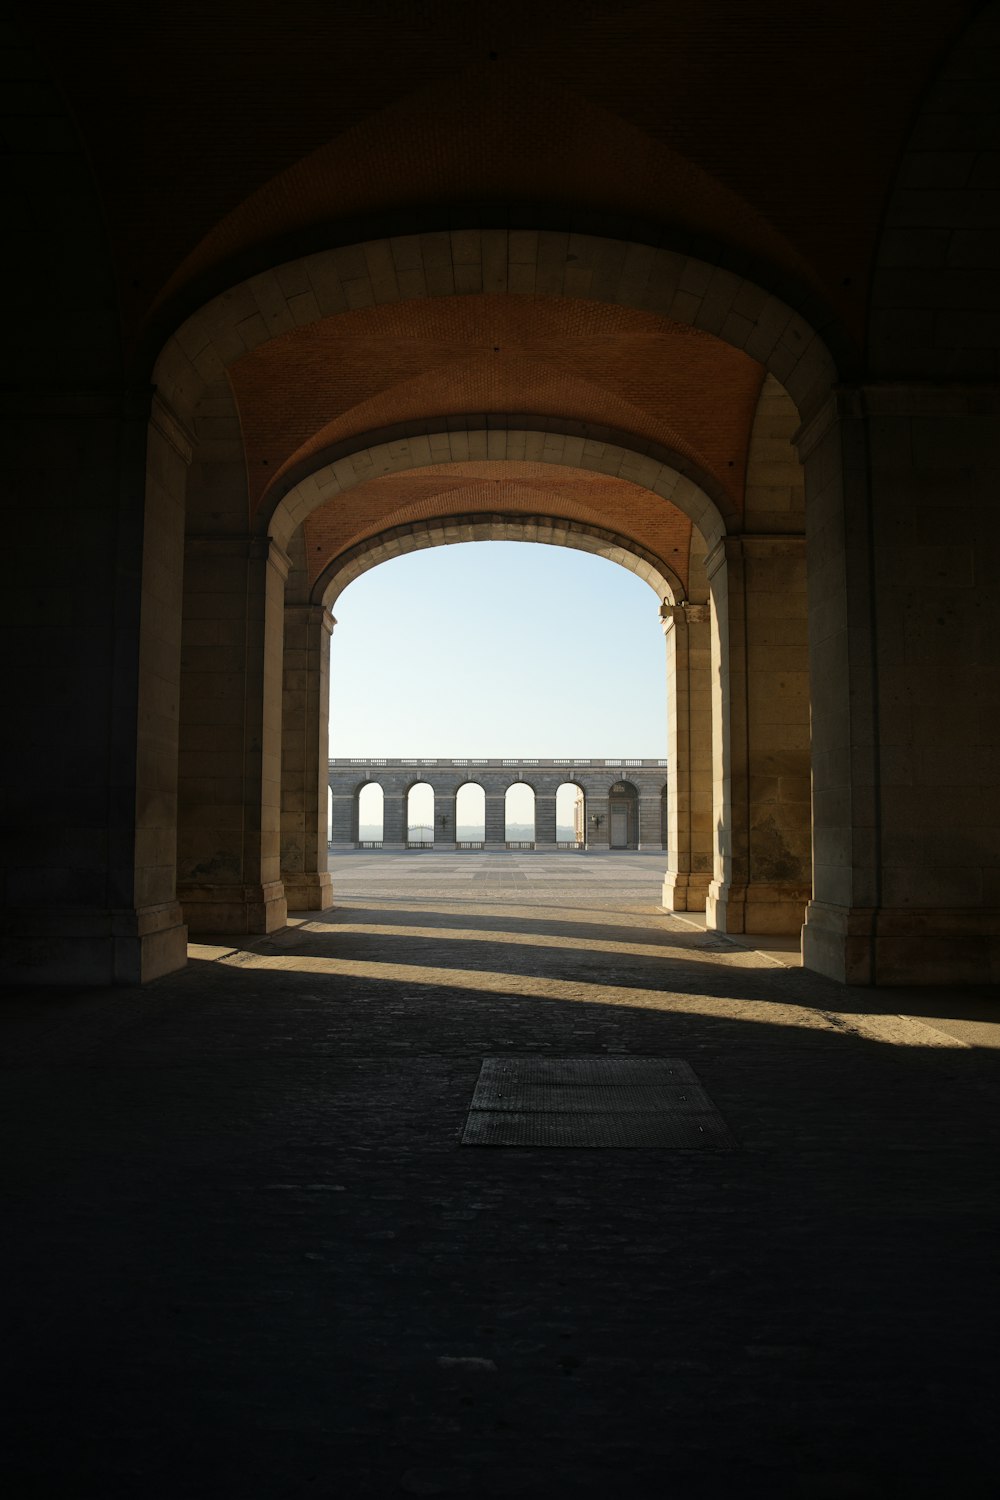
(246, 1254)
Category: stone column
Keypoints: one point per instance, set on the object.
(446, 821)
(94, 489)
(904, 620)
(650, 831)
(760, 672)
(344, 822)
(305, 757)
(154, 941)
(393, 816)
(687, 629)
(230, 735)
(496, 822)
(545, 819)
(598, 829)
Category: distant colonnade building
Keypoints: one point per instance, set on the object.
(620, 804)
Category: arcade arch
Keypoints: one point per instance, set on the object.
(380, 273)
(370, 813)
(472, 452)
(571, 814)
(470, 815)
(668, 472)
(519, 815)
(545, 530)
(420, 814)
(623, 816)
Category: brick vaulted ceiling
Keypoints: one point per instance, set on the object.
(362, 371)
(497, 488)
(217, 127)
(225, 137)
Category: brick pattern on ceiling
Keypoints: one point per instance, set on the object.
(594, 499)
(300, 394)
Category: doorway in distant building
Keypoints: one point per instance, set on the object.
(623, 810)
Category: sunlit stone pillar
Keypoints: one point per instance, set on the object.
(496, 818)
(598, 829)
(687, 629)
(446, 820)
(228, 856)
(760, 673)
(305, 757)
(343, 831)
(394, 818)
(545, 819)
(650, 822)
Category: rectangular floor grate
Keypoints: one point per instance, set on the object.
(594, 1098)
(593, 1101)
(607, 1070)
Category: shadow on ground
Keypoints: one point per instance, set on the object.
(248, 1255)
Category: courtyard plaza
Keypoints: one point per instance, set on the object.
(250, 1255)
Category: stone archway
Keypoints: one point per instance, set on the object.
(275, 303)
(545, 445)
(446, 531)
(623, 816)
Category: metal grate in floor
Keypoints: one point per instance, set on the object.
(595, 1098)
(593, 1102)
(611, 1071)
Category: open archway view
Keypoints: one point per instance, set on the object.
(511, 651)
(497, 648)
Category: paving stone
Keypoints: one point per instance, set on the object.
(249, 1255)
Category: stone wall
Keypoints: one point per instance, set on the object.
(595, 777)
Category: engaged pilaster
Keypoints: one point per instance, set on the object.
(760, 671)
(305, 757)
(229, 870)
(446, 819)
(394, 818)
(545, 820)
(687, 629)
(598, 830)
(496, 819)
(904, 597)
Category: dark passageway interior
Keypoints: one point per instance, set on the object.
(251, 1256)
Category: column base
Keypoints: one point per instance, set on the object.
(651, 849)
(234, 908)
(902, 945)
(312, 892)
(685, 890)
(86, 946)
(757, 907)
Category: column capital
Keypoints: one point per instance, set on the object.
(672, 615)
(234, 544)
(311, 612)
(753, 544)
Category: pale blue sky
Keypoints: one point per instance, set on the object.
(498, 648)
